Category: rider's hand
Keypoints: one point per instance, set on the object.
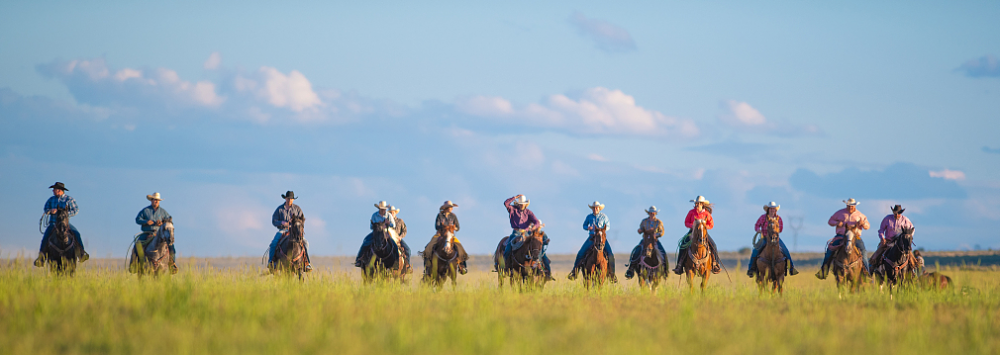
(284, 225)
(159, 223)
(52, 211)
(150, 222)
(840, 224)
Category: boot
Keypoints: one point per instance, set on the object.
(716, 268)
(679, 268)
(40, 261)
(630, 273)
(751, 269)
(84, 256)
(462, 268)
(173, 268)
(572, 274)
(548, 277)
(309, 267)
(613, 278)
(823, 268)
(791, 269)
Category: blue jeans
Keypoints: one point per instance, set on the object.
(48, 231)
(510, 246)
(756, 252)
(590, 244)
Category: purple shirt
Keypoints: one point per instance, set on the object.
(520, 219)
(891, 227)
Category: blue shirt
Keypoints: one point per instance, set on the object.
(148, 214)
(379, 219)
(63, 201)
(285, 214)
(597, 221)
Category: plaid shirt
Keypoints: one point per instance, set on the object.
(63, 201)
(285, 214)
(651, 225)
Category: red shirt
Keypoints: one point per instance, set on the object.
(695, 215)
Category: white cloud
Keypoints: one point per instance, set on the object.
(213, 62)
(596, 157)
(741, 116)
(292, 91)
(598, 111)
(606, 36)
(948, 174)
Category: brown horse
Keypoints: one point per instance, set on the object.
(652, 265)
(60, 251)
(595, 264)
(699, 259)
(771, 263)
(443, 260)
(152, 255)
(526, 261)
(848, 264)
(289, 256)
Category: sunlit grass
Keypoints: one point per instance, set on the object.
(209, 310)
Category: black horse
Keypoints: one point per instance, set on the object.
(650, 265)
(897, 264)
(290, 254)
(443, 262)
(61, 250)
(525, 265)
(385, 257)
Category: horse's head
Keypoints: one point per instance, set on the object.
(62, 217)
(296, 228)
(773, 229)
(699, 232)
(446, 240)
(168, 228)
(533, 249)
(600, 237)
(904, 241)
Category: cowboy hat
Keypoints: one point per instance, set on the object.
(700, 199)
(773, 205)
(290, 194)
(523, 200)
(154, 196)
(393, 209)
(59, 185)
(382, 205)
(448, 204)
(851, 202)
(898, 209)
(652, 209)
(596, 204)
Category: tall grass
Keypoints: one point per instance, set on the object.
(206, 310)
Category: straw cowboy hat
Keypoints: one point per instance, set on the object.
(773, 205)
(851, 202)
(898, 209)
(448, 204)
(154, 196)
(382, 205)
(652, 209)
(290, 194)
(394, 209)
(523, 200)
(700, 199)
(596, 204)
(59, 185)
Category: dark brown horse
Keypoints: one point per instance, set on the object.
(526, 268)
(595, 263)
(60, 251)
(897, 264)
(152, 255)
(699, 261)
(848, 263)
(771, 263)
(443, 263)
(652, 265)
(387, 259)
(289, 255)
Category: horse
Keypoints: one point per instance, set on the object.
(652, 265)
(443, 259)
(289, 255)
(153, 254)
(897, 262)
(526, 261)
(771, 263)
(387, 259)
(699, 261)
(60, 251)
(595, 263)
(848, 264)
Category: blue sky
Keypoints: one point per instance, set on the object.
(222, 107)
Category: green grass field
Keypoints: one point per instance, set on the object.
(233, 310)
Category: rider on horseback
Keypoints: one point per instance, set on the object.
(444, 219)
(593, 222)
(151, 218)
(524, 223)
(652, 226)
(401, 231)
(892, 226)
(381, 218)
(702, 210)
(770, 211)
(282, 219)
(60, 199)
(843, 220)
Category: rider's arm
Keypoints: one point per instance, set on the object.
(835, 219)
(71, 206)
(604, 222)
(507, 204)
(276, 218)
(689, 220)
(781, 225)
(709, 221)
(454, 218)
(883, 227)
(588, 222)
(864, 223)
(142, 218)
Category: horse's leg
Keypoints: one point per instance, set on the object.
(690, 278)
(704, 280)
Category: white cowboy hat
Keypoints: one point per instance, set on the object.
(652, 209)
(773, 205)
(523, 200)
(382, 205)
(154, 196)
(393, 209)
(700, 199)
(596, 204)
(448, 204)
(851, 202)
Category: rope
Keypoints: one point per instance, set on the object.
(43, 223)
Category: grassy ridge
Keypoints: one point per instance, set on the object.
(234, 310)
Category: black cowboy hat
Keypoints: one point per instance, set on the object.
(290, 194)
(59, 185)
(898, 209)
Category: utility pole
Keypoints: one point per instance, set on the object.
(796, 226)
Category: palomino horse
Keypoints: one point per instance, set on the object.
(699, 261)
(595, 263)
(848, 264)
(652, 265)
(289, 255)
(387, 259)
(152, 255)
(60, 251)
(897, 264)
(526, 261)
(771, 263)
(443, 259)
